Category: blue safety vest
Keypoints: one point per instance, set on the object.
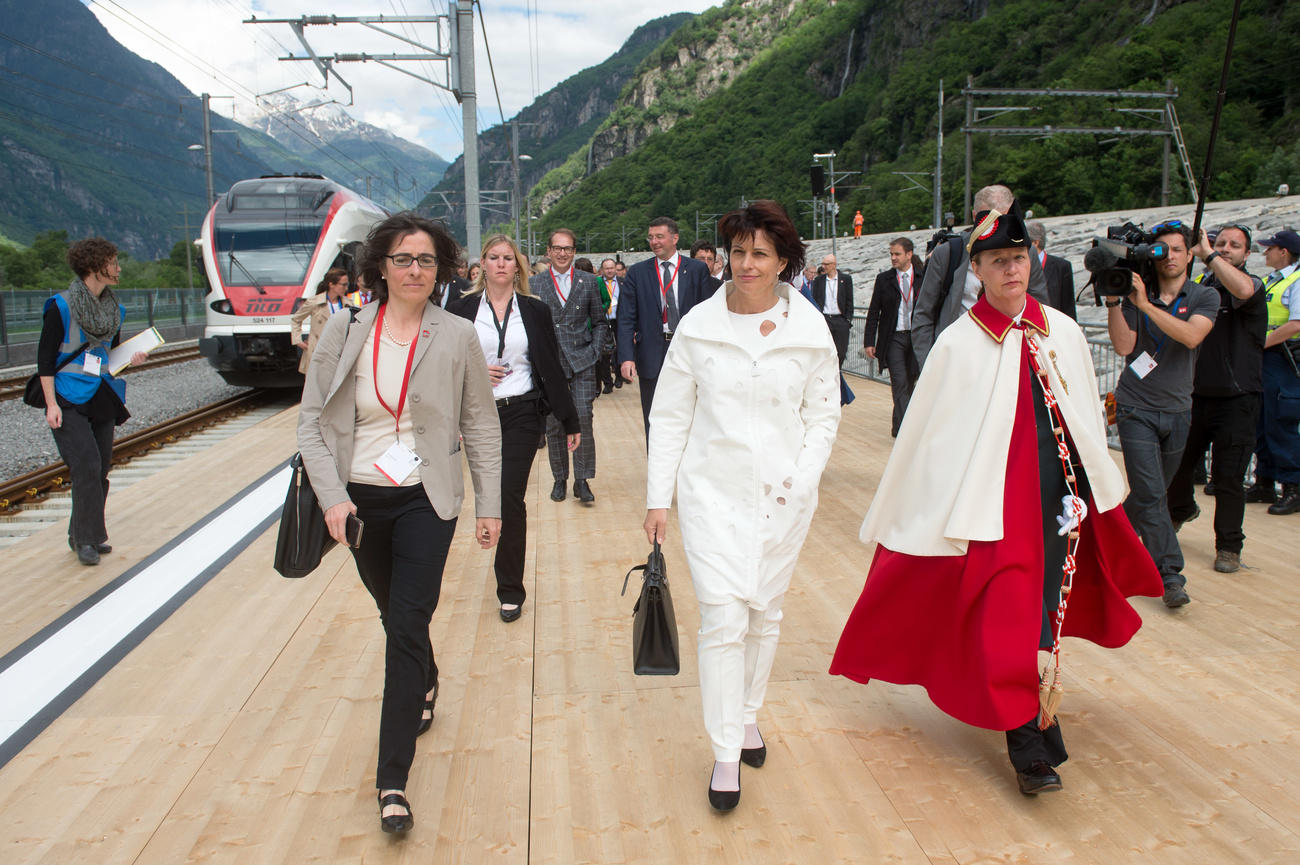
(72, 381)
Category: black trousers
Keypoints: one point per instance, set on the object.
(607, 366)
(403, 551)
(1027, 745)
(900, 360)
(1227, 426)
(840, 327)
(520, 426)
(86, 445)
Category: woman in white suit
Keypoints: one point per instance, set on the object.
(391, 393)
(743, 420)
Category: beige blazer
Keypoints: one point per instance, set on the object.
(317, 310)
(450, 400)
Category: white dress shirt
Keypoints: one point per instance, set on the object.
(906, 290)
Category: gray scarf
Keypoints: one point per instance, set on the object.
(99, 317)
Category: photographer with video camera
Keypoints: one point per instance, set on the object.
(1158, 332)
(1225, 393)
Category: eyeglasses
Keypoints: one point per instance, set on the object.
(1243, 229)
(555, 248)
(405, 259)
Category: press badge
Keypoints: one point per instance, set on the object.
(1142, 365)
(91, 364)
(398, 462)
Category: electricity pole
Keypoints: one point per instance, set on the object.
(458, 65)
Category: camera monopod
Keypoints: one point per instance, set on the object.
(1208, 173)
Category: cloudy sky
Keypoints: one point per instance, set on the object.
(535, 44)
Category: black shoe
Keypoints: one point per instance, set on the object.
(1289, 503)
(582, 491)
(511, 615)
(1211, 489)
(1038, 778)
(1196, 512)
(88, 554)
(426, 723)
(397, 824)
(1262, 492)
(102, 549)
(618, 382)
(755, 757)
(722, 800)
(1176, 596)
(558, 492)
(609, 388)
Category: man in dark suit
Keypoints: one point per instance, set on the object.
(888, 334)
(1058, 272)
(580, 326)
(456, 288)
(656, 294)
(937, 305)
(836, 305)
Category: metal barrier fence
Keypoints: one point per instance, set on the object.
(177, 312)
(1105, 362)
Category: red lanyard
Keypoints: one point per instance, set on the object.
(663, 289)
(406, 376)
(556, 283)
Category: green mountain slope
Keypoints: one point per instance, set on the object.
(861, 77)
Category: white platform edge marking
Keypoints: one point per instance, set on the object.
(40, 676)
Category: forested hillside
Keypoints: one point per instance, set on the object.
(861, 77)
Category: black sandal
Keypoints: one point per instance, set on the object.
(426, 723)
(396, 824)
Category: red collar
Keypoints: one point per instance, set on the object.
(997, 325)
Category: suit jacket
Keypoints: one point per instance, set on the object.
(315, 308)
(640, 313)
(1059, 275)
(843, 293)
(882, 313)
(543, 353)
(580, 323)
(453, 290)
(449, 398)
(925, 326)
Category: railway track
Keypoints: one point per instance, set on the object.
(12, 387)
(36, 486)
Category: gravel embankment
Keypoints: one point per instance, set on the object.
(152, 396)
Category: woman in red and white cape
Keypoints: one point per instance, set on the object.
(997, 519)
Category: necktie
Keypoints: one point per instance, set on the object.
(673, 315)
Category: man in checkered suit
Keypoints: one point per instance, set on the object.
(583, 332)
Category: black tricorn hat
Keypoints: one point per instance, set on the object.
(995, 230)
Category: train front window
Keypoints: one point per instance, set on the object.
(265, 253)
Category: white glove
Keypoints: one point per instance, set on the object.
(1073, 510)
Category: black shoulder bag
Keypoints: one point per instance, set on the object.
(34, 394)
(303, 540)
(654, 626)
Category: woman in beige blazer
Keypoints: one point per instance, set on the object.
(328, 299)
(392, 392)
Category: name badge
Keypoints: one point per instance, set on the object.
(398, 462)
(1142, 365)
(91, 364)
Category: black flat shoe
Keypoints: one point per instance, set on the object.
(102, 549)
(87, 554)
(512, 615)
(426, 723)
(722, 800)
(754, 757)
(558, 492)
(582, 490)
(1038, 778)
(396, 824)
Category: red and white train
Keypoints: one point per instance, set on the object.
(266, 245)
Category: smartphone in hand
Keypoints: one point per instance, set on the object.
(352, 531)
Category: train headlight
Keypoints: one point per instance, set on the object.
(222, 306)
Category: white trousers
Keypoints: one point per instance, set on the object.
(737, 646)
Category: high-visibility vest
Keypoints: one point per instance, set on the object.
(72, 381)
(1278, 312)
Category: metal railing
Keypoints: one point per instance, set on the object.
(178, 313)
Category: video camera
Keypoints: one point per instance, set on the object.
(1126, 249)
(946, 232)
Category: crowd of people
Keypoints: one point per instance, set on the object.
(994, 529)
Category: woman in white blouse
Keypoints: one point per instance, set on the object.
(743, 420)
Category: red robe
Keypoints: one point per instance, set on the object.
(967, 627)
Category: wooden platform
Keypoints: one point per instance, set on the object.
(243, 730)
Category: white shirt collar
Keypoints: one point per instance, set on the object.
(673, 260)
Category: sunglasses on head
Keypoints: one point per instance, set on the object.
(1243, 229)
(1167, 226)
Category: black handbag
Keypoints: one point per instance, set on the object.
(33, 393)
(303, 538)
(654, 626)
